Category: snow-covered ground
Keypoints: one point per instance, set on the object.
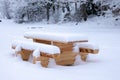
(102, 66)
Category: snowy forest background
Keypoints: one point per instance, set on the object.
(100, 23)
(56, 11)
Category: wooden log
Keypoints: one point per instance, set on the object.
(42, 41)
(95, 51)
(83, 56)
(67, 53)
(64, 46)
(25, 54)
(42, 58)
(46, 54)
(61, 44)
(87, 50)
(66, 59)
(65, 62)
(66, 49)
(56, 56)
(44, 61)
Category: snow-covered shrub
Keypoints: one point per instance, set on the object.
(116, 10)
(32, 12)
(87, 8)
(5, 9)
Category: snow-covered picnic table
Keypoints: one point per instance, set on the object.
(61, 45)
(65, 41)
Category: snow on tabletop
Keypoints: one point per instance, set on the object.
(62, 37)
(37, 47)
(86, 45)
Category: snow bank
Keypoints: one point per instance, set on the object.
(36, 47)
(62, 37)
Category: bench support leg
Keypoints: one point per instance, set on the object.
(83, 56)
(25, 54)
(44, 61)
(36, 59)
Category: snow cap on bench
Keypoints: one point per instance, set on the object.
(36, 47)
(87, 45)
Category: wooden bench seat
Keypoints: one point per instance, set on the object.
(37, 50)
(85, 48)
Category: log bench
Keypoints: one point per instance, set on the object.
(40, 52)
(85, 48)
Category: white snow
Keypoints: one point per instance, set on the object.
(36, 52)
(87, 45)
(103, 66)
(18, 48)
(36, 47)
(52, 36)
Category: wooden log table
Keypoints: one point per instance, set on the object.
(65, 41)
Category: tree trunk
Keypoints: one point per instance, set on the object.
(75, 6)
(48, 14)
